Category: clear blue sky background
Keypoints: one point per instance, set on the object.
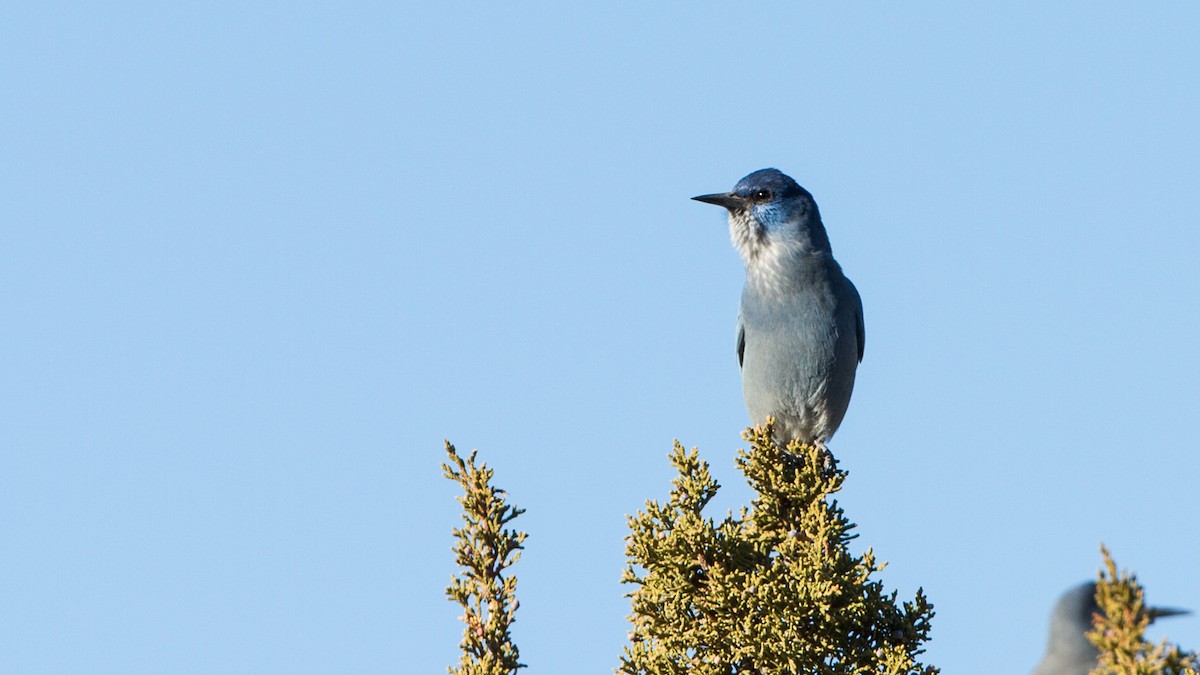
(259, 259)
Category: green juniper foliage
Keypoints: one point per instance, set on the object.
(483, 548)
(774, 590)
(1120, 627)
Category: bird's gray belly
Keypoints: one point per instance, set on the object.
(798, 366)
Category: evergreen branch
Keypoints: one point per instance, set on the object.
(484, 549)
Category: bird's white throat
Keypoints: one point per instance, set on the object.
(772, 261)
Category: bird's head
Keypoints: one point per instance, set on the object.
(767, 209)
(1072, 618)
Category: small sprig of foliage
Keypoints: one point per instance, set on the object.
(773, 590)
(1120, 627)
(484, 548)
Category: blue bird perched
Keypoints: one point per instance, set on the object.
(800, 328)
(1068, 651)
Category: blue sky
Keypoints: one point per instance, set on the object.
(259, 259)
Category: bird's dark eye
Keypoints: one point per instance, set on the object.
(761, 195)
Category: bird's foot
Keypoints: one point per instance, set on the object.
(828, 461)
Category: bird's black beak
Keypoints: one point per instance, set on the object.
(726, 199)
(1162, 612)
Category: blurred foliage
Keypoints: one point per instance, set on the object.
(1120, 628)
